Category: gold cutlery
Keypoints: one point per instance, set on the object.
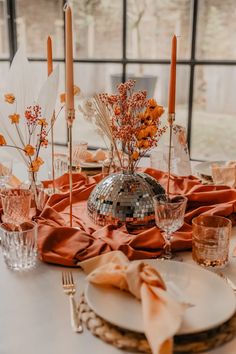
(228, 280)
(69, 289)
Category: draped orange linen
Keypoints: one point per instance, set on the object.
(60, 244)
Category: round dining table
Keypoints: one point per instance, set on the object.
(35, 316)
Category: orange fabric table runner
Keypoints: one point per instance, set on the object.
(60, 244)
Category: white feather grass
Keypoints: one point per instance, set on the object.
(24, 83)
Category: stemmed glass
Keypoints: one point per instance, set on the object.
(169, 217)
(5, 172)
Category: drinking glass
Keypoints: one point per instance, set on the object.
(169, 217)
(19, 246)
(60, 164)
(16, 205)
(210, 242)
(79, 153)
(5, 172)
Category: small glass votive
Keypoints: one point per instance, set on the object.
(16, 204)
(19, 245)
(210, 241)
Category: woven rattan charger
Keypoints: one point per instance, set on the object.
(131, 341)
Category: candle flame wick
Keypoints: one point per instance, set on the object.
(67, 4)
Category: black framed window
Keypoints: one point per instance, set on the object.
(115, 40)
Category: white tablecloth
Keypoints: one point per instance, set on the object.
(34, 312)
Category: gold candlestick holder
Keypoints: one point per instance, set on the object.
(53, 151)
(171, 119)
(70, 120)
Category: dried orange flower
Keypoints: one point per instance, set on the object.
(44, 142)
(14, 118)
(117, 111)
(42, 122)
(9, 98)
(63, 95)
(135, 155)
(35, 165)
(2, 140)
(141, 134)
(76, 90)
(29, 150)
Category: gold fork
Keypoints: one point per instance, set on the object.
(228, 280)
(69, 289)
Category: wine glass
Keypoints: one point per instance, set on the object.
(79, 153)
(169, 217)
(5, 172)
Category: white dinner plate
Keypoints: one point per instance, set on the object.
(204, 168)
(213, 300)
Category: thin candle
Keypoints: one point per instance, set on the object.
(69, 63)
(172, 85)
(70, 112)
(171, 105)
(50, 69)
(49, 55)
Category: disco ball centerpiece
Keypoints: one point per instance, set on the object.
(124, 198)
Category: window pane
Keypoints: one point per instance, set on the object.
(98, 28)
(216, 29)
(36, 20)
(4, 47)
(152, 23)
(214, 128)
(4, 67)
(91, 78)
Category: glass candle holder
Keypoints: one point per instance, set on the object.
(16, 205)
(210, 243)
(19, 246)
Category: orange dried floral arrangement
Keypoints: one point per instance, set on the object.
(135, 122)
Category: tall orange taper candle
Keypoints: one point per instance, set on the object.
(50, 69)
(70, 111)
(69, 66)
(171, 108)
(49, 55)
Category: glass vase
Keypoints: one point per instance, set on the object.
(37, 189)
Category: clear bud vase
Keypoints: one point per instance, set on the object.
(111, 164)
(37, 189)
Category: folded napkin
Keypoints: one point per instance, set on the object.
(98, 155)
(162, 314)
(225, 174)
(60, 244)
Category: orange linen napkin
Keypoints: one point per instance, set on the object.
(60, 244)
(162, 314)
(98, 155)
